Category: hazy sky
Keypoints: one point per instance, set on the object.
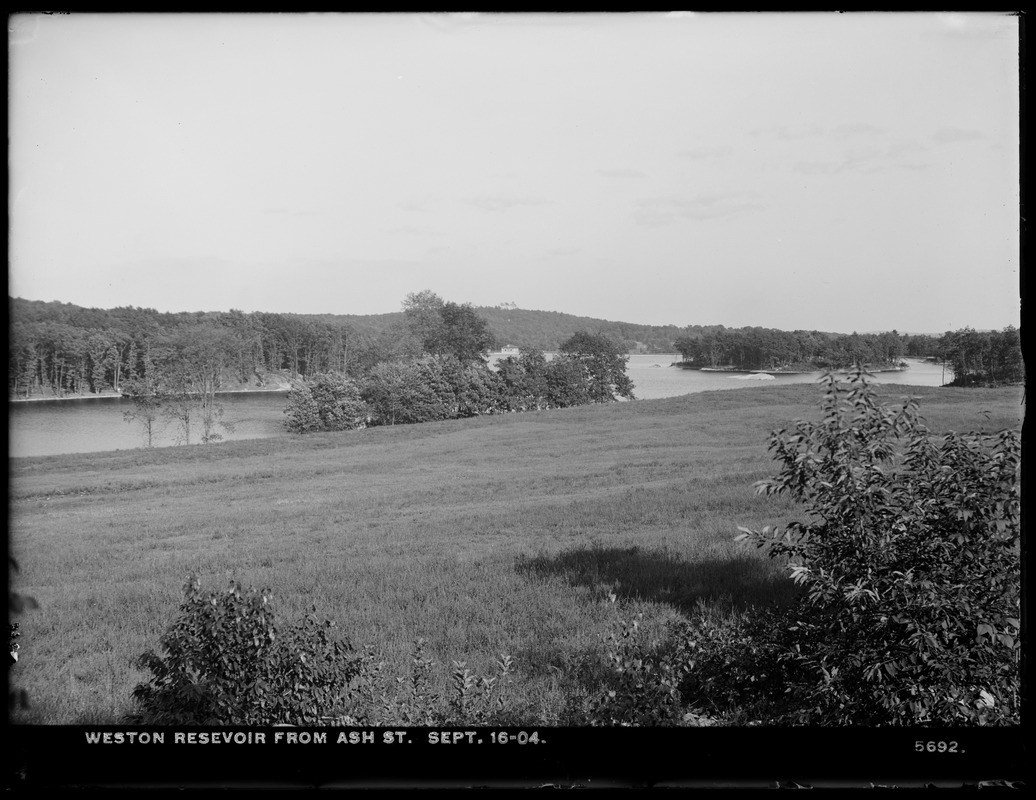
(824, 171)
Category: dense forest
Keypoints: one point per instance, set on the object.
(58, 349)
(764, 348)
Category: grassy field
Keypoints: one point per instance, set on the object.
(494, 535)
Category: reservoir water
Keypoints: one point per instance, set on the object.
(53, 427)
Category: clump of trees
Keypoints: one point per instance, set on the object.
(983, 358)
(180, 377)
(767, 348)
(447, 375)
(590, 368)
(602, 364)
(430, 388)
(329, 402)
(444, 328)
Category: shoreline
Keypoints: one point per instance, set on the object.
(839, 371)
(114, 396)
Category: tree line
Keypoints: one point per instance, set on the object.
(57, 349)
(766, 348)
(983, 357)
(973, 357)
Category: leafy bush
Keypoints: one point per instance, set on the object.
(224, 662)
(734, 672)
(476, 388)
(403, 393)
(910, 563)
(329, 402)
(567, 382)
(645, 681)
(708, 669)
(339, 403)
(522, 381)
(303, 413)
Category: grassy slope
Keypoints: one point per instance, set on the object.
(500, 534)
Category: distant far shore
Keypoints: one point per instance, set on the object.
(275, 387)
(788, 371)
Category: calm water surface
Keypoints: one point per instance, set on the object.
(654, 378)
(50, 427)
(43, 427)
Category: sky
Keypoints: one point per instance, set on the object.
(823, 171)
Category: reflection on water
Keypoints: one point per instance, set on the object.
(83, 426)
(43, 427)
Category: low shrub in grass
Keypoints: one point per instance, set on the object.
(734, 672)
(910, 561)
(225, 662)
(415, 701)
(705, 669)
(644, 684)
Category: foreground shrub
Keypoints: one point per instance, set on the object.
(644, 685)
(710, 668)
(224, 662)
(735, 672)
(910, 563)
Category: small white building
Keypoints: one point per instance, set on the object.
(509, 350)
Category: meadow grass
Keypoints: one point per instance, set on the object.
(526, 534)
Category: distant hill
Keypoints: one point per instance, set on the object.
(520, 327)
(540, 330)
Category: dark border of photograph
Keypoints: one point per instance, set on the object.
(285, 757)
